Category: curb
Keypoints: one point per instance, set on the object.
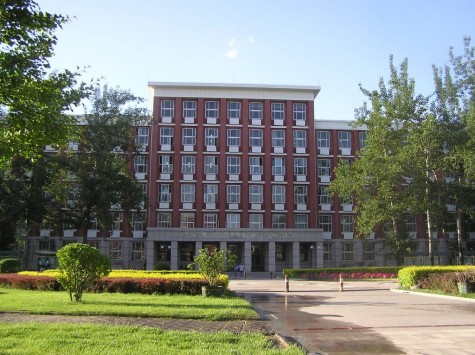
(454, 298)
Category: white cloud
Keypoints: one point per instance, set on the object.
(232, 53)
(251, 40)
(232, 43)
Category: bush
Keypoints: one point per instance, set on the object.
(9, 265)
(411, 275)
(213, 264)
(387, 272)
(445, 282)
(35, 283)
(161, 266)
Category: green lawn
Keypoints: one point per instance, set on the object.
(35, 338)
(133, 305)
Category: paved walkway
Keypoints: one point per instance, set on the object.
(366, 318)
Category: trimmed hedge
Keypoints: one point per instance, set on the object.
(35, 283)
(385, 272)
(411, 275)
(9, 265)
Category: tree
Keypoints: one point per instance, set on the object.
(212, 264)
(80, 265)
(32, 98)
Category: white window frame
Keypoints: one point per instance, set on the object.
(362, 139)
(323, 139)
(278, 166)
(300, 138)
(278, 194)
(347, 223)
(233, 193)
(324, 196)
(165, 193)
(347, 251)
(344, 139)
(233, 220)
(278, 138)
(279, 220)
(233, 137)
(300, 221)
(211, 137)
(188, 164)
(299, 111)
(141, 136)
(277, 111)
(256, 165)
(233, 165)
(138, 251)
(210, 220)
(256, 110)
(256, 194)
(300, 194)
(187, 220)
(256, 220)
(211, 164)
(164, 219)
(167, 108)
(140, 164)
(325, 222)
(256, 137)
(189, 109)
(138, 221)
(234, 109)
(166, 135)
(115, 250)
(210, 193)
(188, 136)
(300, 166)
(324, 167)
(211, 109)
(187, 193)
(166, 164)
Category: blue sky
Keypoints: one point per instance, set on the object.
(334, 44)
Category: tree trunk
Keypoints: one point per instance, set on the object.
(459, 237)
(429, 237)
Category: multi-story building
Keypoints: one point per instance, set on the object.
(247, 168)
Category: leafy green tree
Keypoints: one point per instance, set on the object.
(212, 264)
(80, 265)
(33, 99)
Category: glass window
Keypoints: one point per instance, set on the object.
(300, 166)
(233, 220)
(211, 109)
(369, 251)
(279, 220)
(187, 193)
(138, 221)
(325, 222)
(189, 136)
(255, 110)
(324, 195)
(362, 136)
(115, 250)
(256, 194)
(233, 193)
(140, 164)
(234, 109)
(280, 252)
(210, 192)
(188, 163)
(165, 193)
(164, 220)
(278, 138)
(211, 164)
(138, 251)
(299, 112)
(278, 166)
(277, 110)
(211, 136)
(166, 164)
(300, 193)
(255, 138)
(255, 166)
(344, 139)
(233, 165)
(234, 138)
(166, 135)
(278, 193)
(347, 251)
(323, 167)
(323, 139)
(210, 220)
(300, 139)
(346, 200)
(189, 109)
(300, 221)
(256, 221)
(167, 108)
(327, 251)
(410, 223)
(187, 219)
(141, 136)
(346, 223)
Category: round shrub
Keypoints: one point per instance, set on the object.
(9, 266)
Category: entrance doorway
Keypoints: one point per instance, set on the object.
(258, 257)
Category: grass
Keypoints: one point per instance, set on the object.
(36, 338)
(132, 305)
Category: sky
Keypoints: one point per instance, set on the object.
(334, 44)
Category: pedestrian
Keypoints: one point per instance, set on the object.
(241, 269)
(47, 264)
(235, 269)
(40, 265)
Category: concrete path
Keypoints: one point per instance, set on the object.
(366, 318)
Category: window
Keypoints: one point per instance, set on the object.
(187, 193)
(211, 136)
(166, 135)
(140, 164)
(300, 166)
(117, 219)
(167, 108)
(234, 109)
(94, 244)
(278, 166)
(233, 220)
(323, 139)
(115, 250)
(138, 251)
(255, 138)
(233, 165)
(278, 138)
(138, 221)
(255, 166)
(256, 194)
(210, 193)
(189, 109)
(210, 220)
(410, 223)
(300, 221)
(279, 220)
(300, 194)
(346, 223)
(323, 167)
(324, 195)
(256, 221)
(211, 109)
(188, 163)
(164, 220)
(233, 193)
(299, 112)
(278, 193)
(189, 136)
(280, 252)
(344, 139)
(277, 111)
(347, 251)
(362, 136)
(234, 138)
(141, 136)
(211, 164)
(369, 251)
(48, 245)
(255, 110)
(166, 164)
(325, 222)
(165, 193)
(327, 251)
(346, 200)
(300, 139)
(187, 219)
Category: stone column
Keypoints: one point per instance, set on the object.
(150, 254)
(271, 257)
(296, 255)
(247, 256)
(174, 256)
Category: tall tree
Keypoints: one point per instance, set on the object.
(33, 99)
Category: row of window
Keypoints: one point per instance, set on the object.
(344, 139)
(256, 110)
(346, 223)
(347, 253)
